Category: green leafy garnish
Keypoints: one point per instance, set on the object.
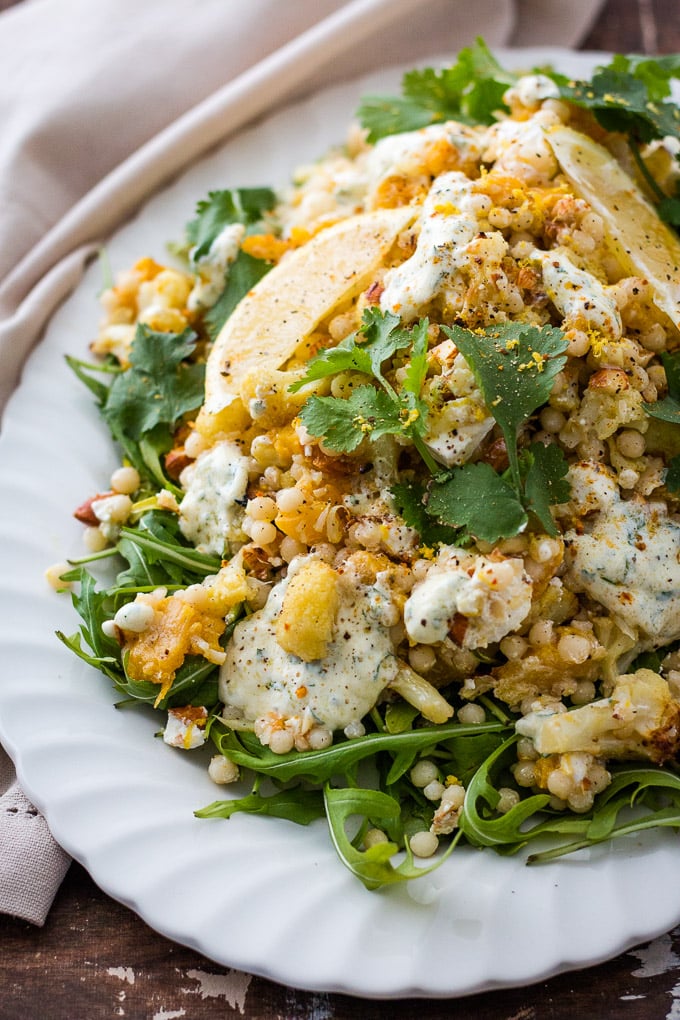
(159, 386)
(370, 413)
(628, 95)
(409, 502)
(477, 499)
(515, 366)
(396, 807)
(672, 479)
(668, 409)
(222, 208)
(545, 482)
(471, 91)
(244, 272)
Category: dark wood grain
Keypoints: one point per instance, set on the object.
(95, 959)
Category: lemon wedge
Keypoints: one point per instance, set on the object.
(272, 321)
(644, 244)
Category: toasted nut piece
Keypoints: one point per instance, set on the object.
(175, 462)
(85, 514)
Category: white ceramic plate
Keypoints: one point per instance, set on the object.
(258, 894)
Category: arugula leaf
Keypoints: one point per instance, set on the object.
(296, 805)
(158, 387)
(371, 866)
(244, 272)
(409, 502)
(515, 365)
(470, 91)
(546, 482)
(339, 759)
(221, 208)
(476, 498)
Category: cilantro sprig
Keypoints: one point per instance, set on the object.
(470, 91)
(514, 365)
(142, 404)
(220, 209)
(370, 413)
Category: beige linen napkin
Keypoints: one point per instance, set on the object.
(103, 102)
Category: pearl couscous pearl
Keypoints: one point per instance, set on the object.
(223, 771)
(423, 844)
(471, 715)
(125, 480)
(423, 772)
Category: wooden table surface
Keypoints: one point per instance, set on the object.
(96, 959)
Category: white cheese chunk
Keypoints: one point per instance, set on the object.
(493, 597)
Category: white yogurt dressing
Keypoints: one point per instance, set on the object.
(261, 680)
(629, 562)
(448, 223)
(576, 293)
(212, 267)
(211, 511)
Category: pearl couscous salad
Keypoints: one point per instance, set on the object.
(397, 527)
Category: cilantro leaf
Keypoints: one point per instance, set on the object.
(628, 95)
(409, 502)
(244, 272)
(668, 409)
(471, 91)
(238, 205)
(474, 497)
(672, 480)
(415, 373)
(515, 366)
(545, 483)
(363, 414)
(669, 211)
(382, 337)
(158, 387)
(343, 424)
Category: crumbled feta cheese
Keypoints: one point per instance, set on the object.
(185, 727)
(492, 596)
(457, 427)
